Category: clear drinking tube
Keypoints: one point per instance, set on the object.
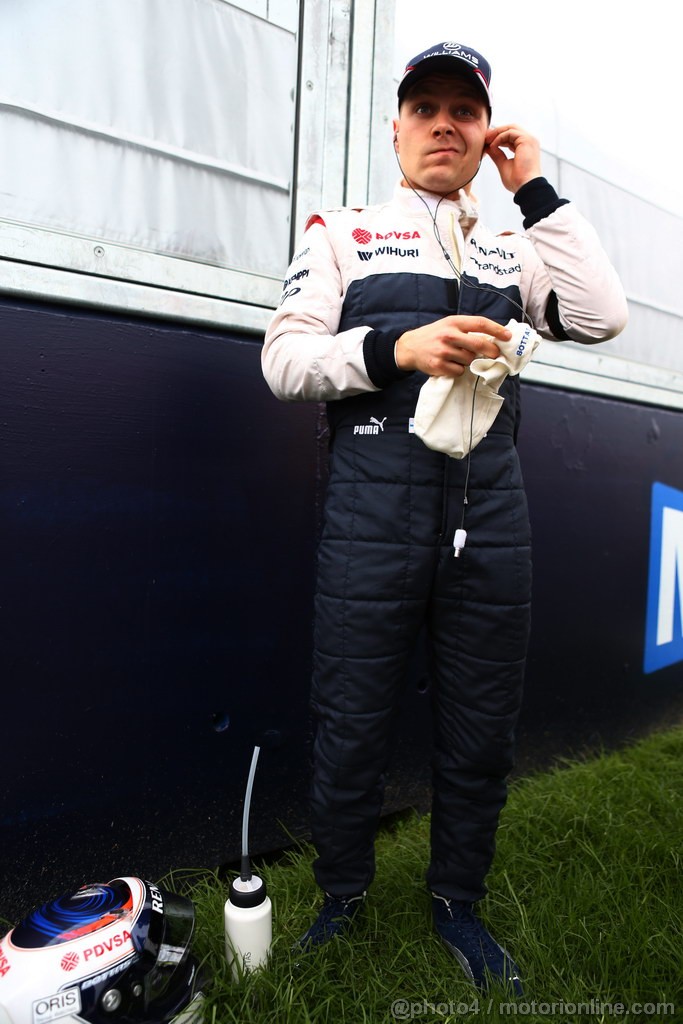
(248, 912)
(245, 867)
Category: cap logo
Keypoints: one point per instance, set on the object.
(456, 48)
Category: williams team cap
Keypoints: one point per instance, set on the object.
(447, 58)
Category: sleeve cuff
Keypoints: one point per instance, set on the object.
(378, 352)
(537, 199)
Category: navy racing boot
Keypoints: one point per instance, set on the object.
(334, 918)
(481, 958)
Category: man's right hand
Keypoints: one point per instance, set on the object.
(444, 348)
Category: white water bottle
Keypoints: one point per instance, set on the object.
(248, 925)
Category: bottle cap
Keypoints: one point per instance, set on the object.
(249, 893)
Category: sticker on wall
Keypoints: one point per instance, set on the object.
(664, 622)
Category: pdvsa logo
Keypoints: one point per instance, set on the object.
(69, 962)
(364, 237)
(112, 944)
(664, 622)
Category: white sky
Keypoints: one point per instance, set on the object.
(597, 81)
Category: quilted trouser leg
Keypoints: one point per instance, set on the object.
(362, 649)
(350, 756)
(479, 625)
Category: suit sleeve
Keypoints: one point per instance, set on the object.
(304, 356)
(570, 288)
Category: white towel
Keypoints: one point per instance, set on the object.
(443, 416)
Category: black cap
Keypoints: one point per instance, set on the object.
(447, 58)
(249, 893)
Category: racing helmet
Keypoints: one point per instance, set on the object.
(109, 954)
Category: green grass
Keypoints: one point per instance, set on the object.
(585, 892)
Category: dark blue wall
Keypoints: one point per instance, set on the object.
(159, 516)
(158, 533)
(589, 465)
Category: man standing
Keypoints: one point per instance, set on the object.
(376, 301)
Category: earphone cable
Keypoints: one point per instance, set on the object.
(469, 455)
(462, 282)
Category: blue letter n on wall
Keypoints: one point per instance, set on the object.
(664, 625)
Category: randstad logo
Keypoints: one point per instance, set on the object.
(664, 623)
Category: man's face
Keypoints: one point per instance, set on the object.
(441, 131)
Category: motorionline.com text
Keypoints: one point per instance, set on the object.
(411, 1009)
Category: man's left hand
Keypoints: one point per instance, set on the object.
(525, 162)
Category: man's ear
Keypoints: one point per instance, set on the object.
(395, 125)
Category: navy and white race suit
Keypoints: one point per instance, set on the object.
(386, 567)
